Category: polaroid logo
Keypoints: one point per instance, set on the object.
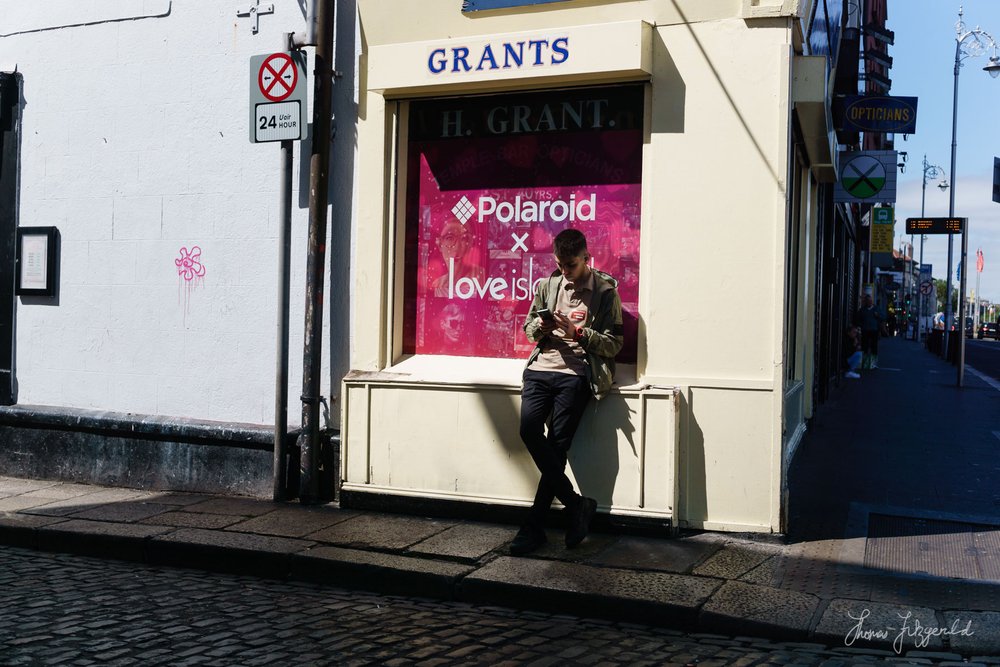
(463, 210)
(521, 210)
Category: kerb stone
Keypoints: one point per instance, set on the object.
(379, 571)
(740, 608)
(648, 597)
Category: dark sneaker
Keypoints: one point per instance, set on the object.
(528, 539)
(579, 521)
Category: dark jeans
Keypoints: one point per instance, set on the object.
(564, 397)
(869, 342)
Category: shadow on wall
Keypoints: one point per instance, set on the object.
(594, 456)
(341, 192)
(691, 470)
(771, 168)
(340, 188)
(669, 84)
(504, 416)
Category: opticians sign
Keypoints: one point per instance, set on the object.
(876, 113)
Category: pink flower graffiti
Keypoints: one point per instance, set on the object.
(189, 264)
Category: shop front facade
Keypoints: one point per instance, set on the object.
(688, 141)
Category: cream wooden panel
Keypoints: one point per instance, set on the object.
(731, 460)
(399, 21)
(462, 442)
(617, 50)
(355, 461)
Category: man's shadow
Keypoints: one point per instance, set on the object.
(596, 455)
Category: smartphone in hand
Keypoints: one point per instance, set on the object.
(546, 314)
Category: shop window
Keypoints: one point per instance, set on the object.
(490, 180)
(797, 178)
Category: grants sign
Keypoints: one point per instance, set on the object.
(620, 50)
(502, 55)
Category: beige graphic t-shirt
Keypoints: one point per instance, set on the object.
(559, 353)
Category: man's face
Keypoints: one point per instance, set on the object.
(573, 268)
(868, 301)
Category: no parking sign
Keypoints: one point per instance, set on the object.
(278, 97)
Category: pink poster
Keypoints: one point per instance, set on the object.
(480, 251)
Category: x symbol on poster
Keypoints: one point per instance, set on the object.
(863, 178)
(519, 242)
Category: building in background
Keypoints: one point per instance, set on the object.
(692, 140)
(125, 128)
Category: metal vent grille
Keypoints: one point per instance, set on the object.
(927, 546)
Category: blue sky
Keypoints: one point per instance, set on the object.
(923, 67)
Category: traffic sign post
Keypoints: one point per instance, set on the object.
(882, 230)
(278, 97)
(277, 106)
(881, 235)
(996, 179)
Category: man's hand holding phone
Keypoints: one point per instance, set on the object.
(552, 321)
(562, 322)
(548, 320)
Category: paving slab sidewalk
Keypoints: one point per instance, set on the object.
(816, 589)
(704, 582)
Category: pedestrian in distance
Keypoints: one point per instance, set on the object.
(852, 350)
(869, 320)
(575, 321)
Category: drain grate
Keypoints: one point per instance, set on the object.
(928, 546)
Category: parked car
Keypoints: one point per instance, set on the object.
(968, 325)
(989, 330)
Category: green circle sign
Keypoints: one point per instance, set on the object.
(863, 177)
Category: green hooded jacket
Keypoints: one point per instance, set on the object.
(601, 337)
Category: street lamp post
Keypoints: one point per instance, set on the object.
(968, 44)
(906, 250)
(930, 171)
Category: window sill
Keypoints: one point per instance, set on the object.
(450, 370)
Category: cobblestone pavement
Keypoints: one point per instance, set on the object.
(69, 610)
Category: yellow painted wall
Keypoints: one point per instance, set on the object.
(714, 210)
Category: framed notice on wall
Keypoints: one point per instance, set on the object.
(36, 261)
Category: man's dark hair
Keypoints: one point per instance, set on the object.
(569, 243)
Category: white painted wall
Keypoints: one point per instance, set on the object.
(135, 145)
